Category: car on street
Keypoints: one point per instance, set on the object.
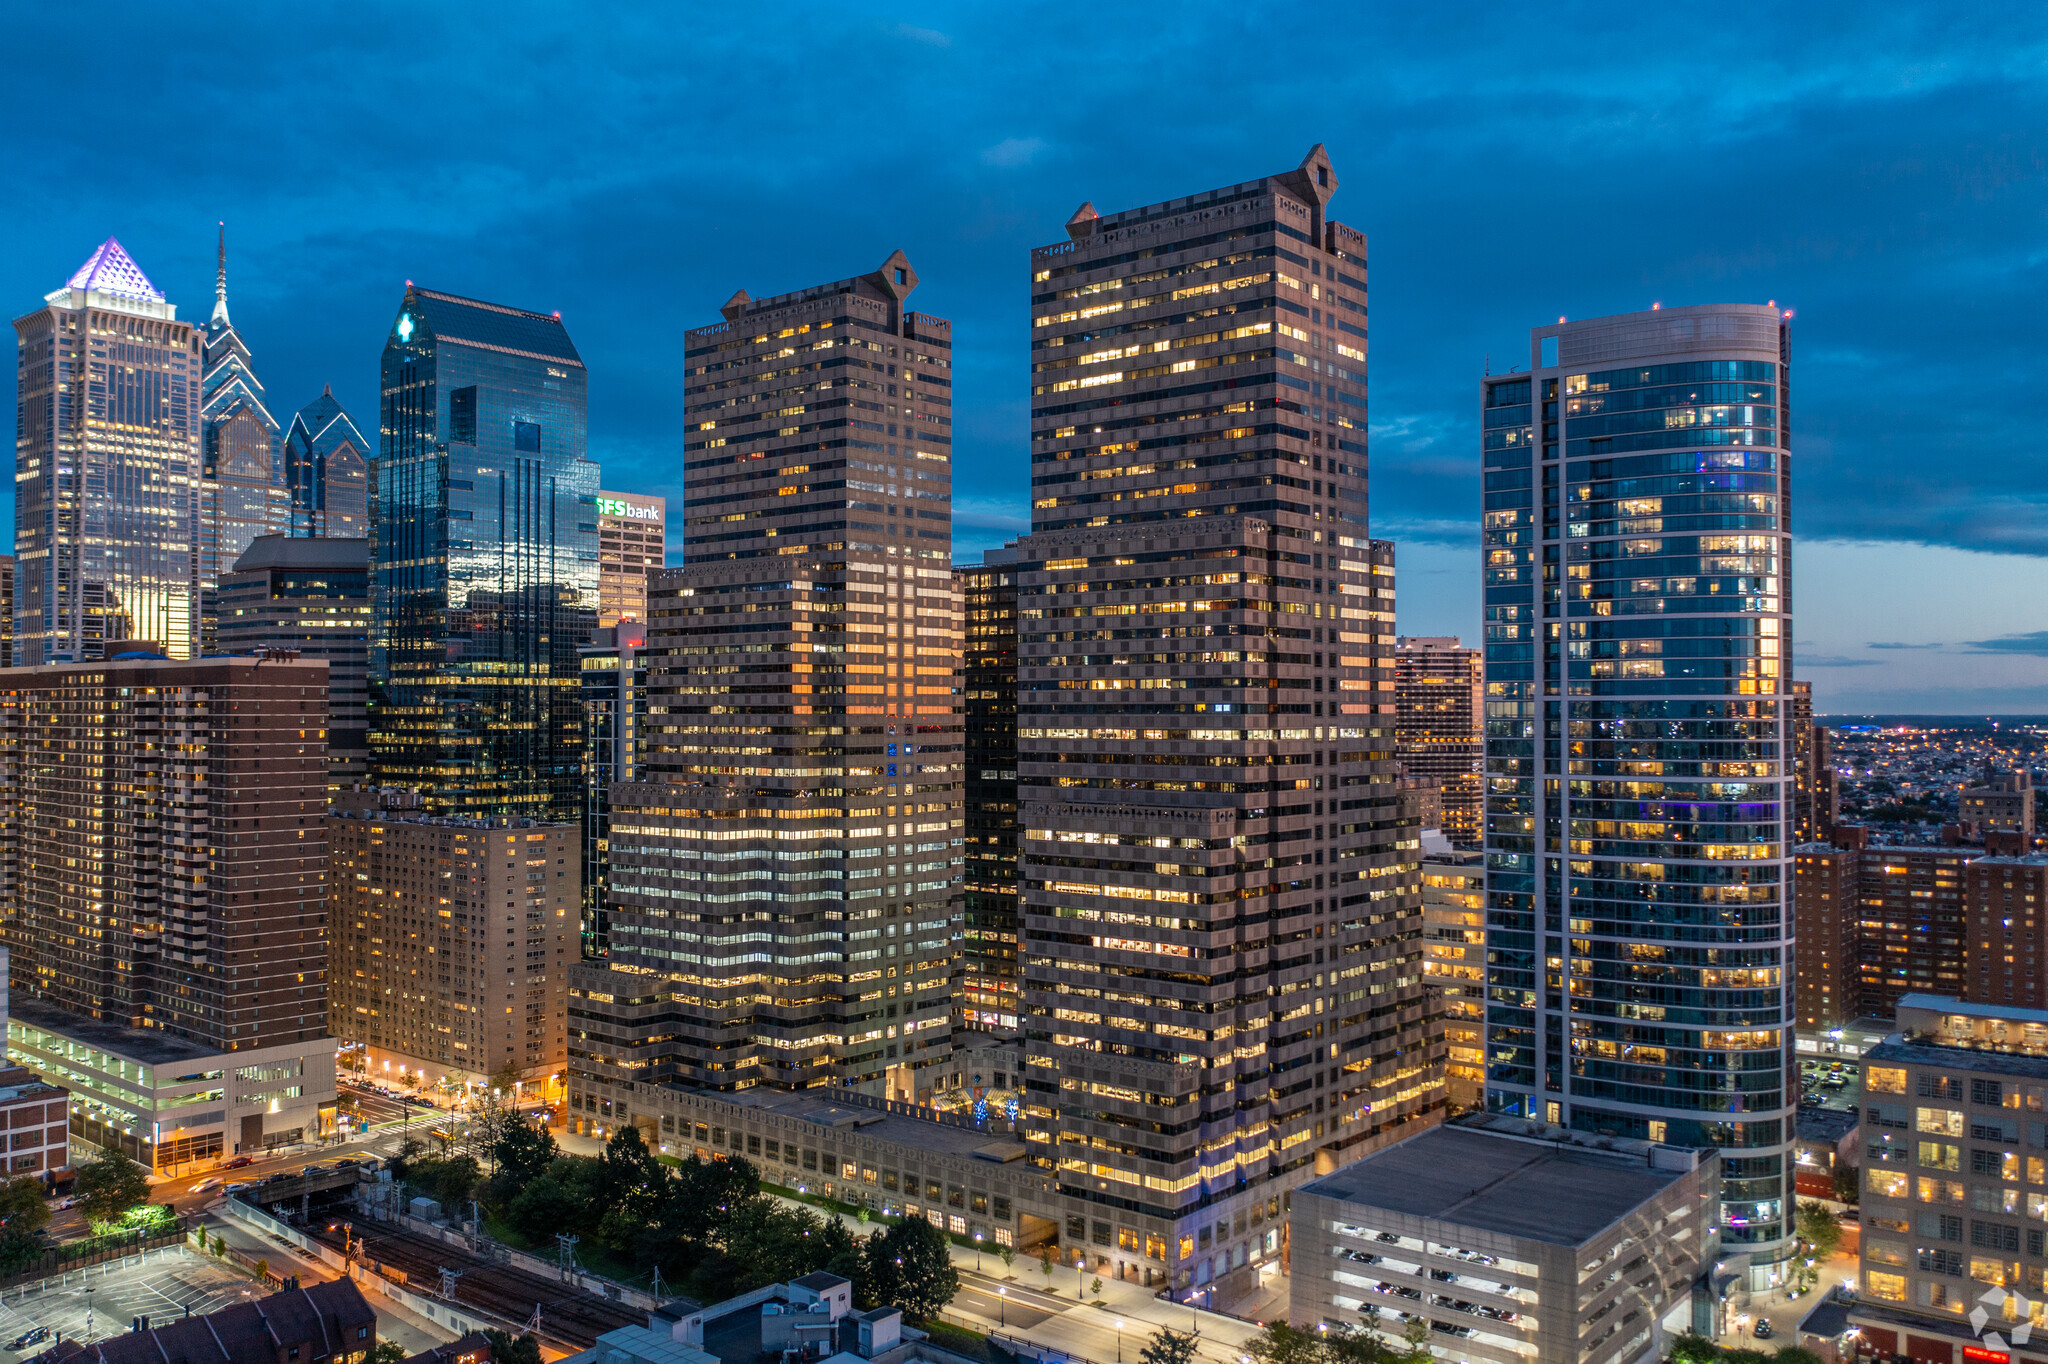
(238, 1162)
(1764, 1330)
(68, 1201)
(34, 1335)
(203, 1185)
(237, 1187)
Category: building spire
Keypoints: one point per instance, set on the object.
(220, 278)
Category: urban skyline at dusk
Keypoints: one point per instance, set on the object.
(1873, 177)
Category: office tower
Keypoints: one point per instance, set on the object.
(451, 942)
(988, 675)
(1953, 1105)
(327, 471)
(1454, 962)
(107, 462)
(483, 561)
(241, 487)
(785, 878)
(1876, 923)
(1638, 655)
(1817, 788)
(614, 674)
(311, 598)
(1223, 960)
(1440, 689)
(6, 610)
(630, 549)
(165, 828)
(2001, 802)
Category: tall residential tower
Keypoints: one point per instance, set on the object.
(1440, 686)
(106, 468)
(785, 876)
(1222, 929)
(1639, 759)
(483, 561)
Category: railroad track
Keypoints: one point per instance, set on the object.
(567, 1313)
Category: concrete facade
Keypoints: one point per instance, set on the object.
(452, 940)
(1441, 689)
(632, 532)
(1520, 1244)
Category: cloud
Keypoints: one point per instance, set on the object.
(930, 37)
(1875, 645)
(1826, 661)
(1013, 151)
(2033, 644)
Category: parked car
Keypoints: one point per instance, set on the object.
(1764, 1330)
(237, 1187)
(32, 1336)
(238, 1162)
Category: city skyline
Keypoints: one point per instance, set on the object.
(1884, 254)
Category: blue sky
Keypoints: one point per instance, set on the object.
(1882, 170)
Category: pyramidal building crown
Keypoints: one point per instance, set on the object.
(111, 270)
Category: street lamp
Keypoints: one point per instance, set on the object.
(977, 1252)
(1080, 1258)
(1002, 1306)
(1119, 1341)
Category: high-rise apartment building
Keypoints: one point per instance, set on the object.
(164, 835)
(631, 547)
(1875, 924)
(614, 718)
(2005, 906)
(1454, 963)
(785, 878)
(1440, 688)
(1221, 920)
(2001, 802)
(1639, 763)
(1817, 786)
(311, 598)
(107, 464)
(6, 610)
(241, 485)
(483, 561)
(327, 471)
(451, 942)
(988, 677)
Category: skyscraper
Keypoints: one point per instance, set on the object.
(988, 613)
(1817, 792)
(483, 561)
(310, 597)
(1440, 688)
(241, 488)
(614, 672)
(327, 471)
(1221, 914)
(630, 548)
(107, 464)
(1639, 768)
(785, 878)
(165, 830)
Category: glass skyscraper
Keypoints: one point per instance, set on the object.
(327, 471)
(1638, 654)
(241, 486)
(483, 549)
(107, 462)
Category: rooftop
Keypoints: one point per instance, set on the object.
(111, 270)
(991, 1144)
(491, 326)
(1476, 1175)
(305, 551)
(1959, 1058)
(151, 1046)
(325, 1317)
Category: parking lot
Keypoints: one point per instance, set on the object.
(162, 1285)
(1830, 1082)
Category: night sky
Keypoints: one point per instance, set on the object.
(1880, 170)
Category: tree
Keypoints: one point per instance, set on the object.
(910, 1265)
(387, 1352)
(1168, 1347)
(110, 1184)
(1280, 1343)
(22, 1208)
(634, 1181)
(544, 1207)
(522, 1154)
(1847, 1185)
(506, 1350)
(1096, 1289)
(1008, 1255)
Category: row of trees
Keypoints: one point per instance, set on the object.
(704, 1223)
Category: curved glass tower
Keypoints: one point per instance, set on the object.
(1638, 619)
